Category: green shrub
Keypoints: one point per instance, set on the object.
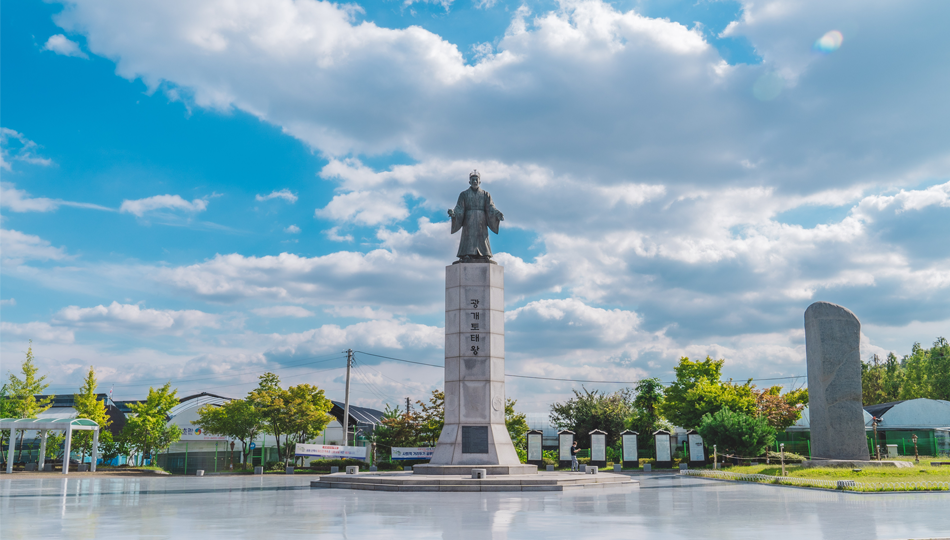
(736, 432)
(790, 457)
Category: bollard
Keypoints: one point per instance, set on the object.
(479, 474)
(372, 468)
(647, 467)
(407, 468)
(48, 467)
(352, 469)
(684, 466)
(592, 469)
(334, 470)
(617, 467)
(583, 468)
(258, 470)
(549, 468)
(200, 472)
(289, 470)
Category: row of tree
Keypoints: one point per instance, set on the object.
(422, 427)
(291, 415)
(698, 399)
(924, 373)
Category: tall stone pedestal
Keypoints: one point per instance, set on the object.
(833, 357)
(474, 432)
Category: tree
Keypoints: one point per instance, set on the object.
(398, 429)
(432, 418)
(307, 410)
(780, 411)
(924, 373)
(23, 392)
(88, 406)
(735, 432)
(645, 415)
(147, 429)
(590, 410)
(698, 390)
(517, 424)
(297, 413)
(237, 419)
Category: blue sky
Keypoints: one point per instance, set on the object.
(201, 191)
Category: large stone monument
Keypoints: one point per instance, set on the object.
(475, 435)
(833, 357)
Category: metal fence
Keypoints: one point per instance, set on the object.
(844, 485)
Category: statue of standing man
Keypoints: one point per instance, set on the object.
(474, 214)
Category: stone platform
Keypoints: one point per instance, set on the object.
(466, 470)
(854, 463)
(405, 481)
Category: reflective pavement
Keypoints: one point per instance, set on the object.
(664, 506)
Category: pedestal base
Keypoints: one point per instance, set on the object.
(492, 470)
(854, 463)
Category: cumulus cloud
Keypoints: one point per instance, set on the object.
(283, 311)
(139, 207)
(284, 194)
(8, 302)
(292, 229)
(131, 317)
(61, 44)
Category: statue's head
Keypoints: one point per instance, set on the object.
(474, 179)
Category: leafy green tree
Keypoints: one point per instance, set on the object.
(698, 390)
(22, 393)
(517, 424)
(147, 430)
(297, 413)
(88, 406)
(645, 415)
(736, 432)
(590, 410)
(237, 419)
(308, 411)
(432, 418)
(7, 410)
(398, 428)
(924, 373)
(110, 447)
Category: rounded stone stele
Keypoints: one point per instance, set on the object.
(833, 358)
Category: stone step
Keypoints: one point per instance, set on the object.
(404, 482)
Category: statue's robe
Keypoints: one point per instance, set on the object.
(474, 215)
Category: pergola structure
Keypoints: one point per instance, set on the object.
(44, 426)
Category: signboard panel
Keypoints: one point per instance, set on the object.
(598, 448)
(331, 451)
(663, 447)
(696, 452)
(565, 442)
(534, 446)
(630, 448)
(424, 452)
(197, 434)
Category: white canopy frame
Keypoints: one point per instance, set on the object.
(44, 426)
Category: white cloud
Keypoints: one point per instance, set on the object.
(139, 207)
(39, 331)
(22, 149)
(19, 247)
(61, 44)
(283, 311)
(282, 194)
(292, 229)
(18, 200)
(131, 317)
(8, 302)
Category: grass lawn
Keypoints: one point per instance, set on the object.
(921, 473)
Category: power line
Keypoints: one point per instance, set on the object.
(554, 378)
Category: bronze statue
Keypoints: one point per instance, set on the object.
(475, 214)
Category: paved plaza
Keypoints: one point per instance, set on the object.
(663, 506)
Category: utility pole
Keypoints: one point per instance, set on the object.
(346, 399)
(407, 405)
